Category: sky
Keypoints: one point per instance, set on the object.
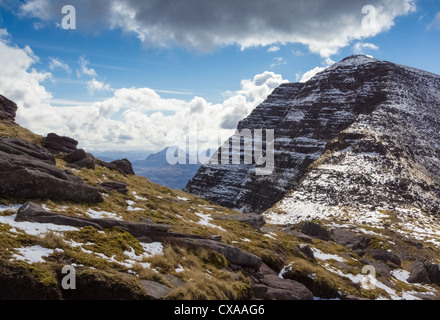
(139, 75)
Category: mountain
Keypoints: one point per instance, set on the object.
(362, 133)
(115, 155)
(157, 169)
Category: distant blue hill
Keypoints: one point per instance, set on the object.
(157, 169)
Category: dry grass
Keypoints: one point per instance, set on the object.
(13, 130)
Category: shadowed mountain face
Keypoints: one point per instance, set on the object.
(371, 126)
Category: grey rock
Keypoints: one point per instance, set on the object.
(385, 256)
(28, 171)
(119, 186)
(15, 146)
(304, 248)
(35, 213)
(299, 235)
(155, 290)
(81, 159)
(124, 166)
(256, 221)
(316, 231)
(349, 239)
(434, 273)
(234, 255)
(8, 109)
(419, 274)
(57, 144)
(285, 289)
(259, 291)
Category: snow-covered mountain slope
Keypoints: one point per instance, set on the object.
(368, 123)
(387, 161)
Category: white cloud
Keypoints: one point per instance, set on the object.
(311, 73)
(360, 47)
(273, 49)
(323, 26)
(436, 23)
(94, 86)
(278, 61)
(84, 68)
(56, 63)
(132, 118)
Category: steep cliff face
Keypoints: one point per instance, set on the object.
(320, 115)
(386, 162)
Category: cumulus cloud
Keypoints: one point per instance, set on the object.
(324, 26)
(94, 86)
(361, 47)
(278, 61)
(273, 49)
(132, 118)
(311, 73)
(56, 63)
(84, 68)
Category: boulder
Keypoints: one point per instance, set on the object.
(8, 109)
(349, 239)
(15, 146)
(385, 256)
(155, 290)
(299, 235)
(35, 213)
(28, 171)
(259, 291)
(316, 231)
(434, 273)
(304, 248)
(57, 144)
(256, 221)
(81, 159)
(419, 274)
(234, 255)
(124, 166)
(284, 289)
(119, 186)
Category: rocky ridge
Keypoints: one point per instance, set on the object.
(376, 118)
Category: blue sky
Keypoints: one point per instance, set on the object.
(134, 73)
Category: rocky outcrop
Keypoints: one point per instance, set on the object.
(28, 171)
(79, 158)
(268, 285)
(34, 213)
(254, 220)
(8, 109)
(119, 186)
(424, 272)
(57, 144)
(349, 239)
(124, 166)
(316, 231)
(143, 231)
